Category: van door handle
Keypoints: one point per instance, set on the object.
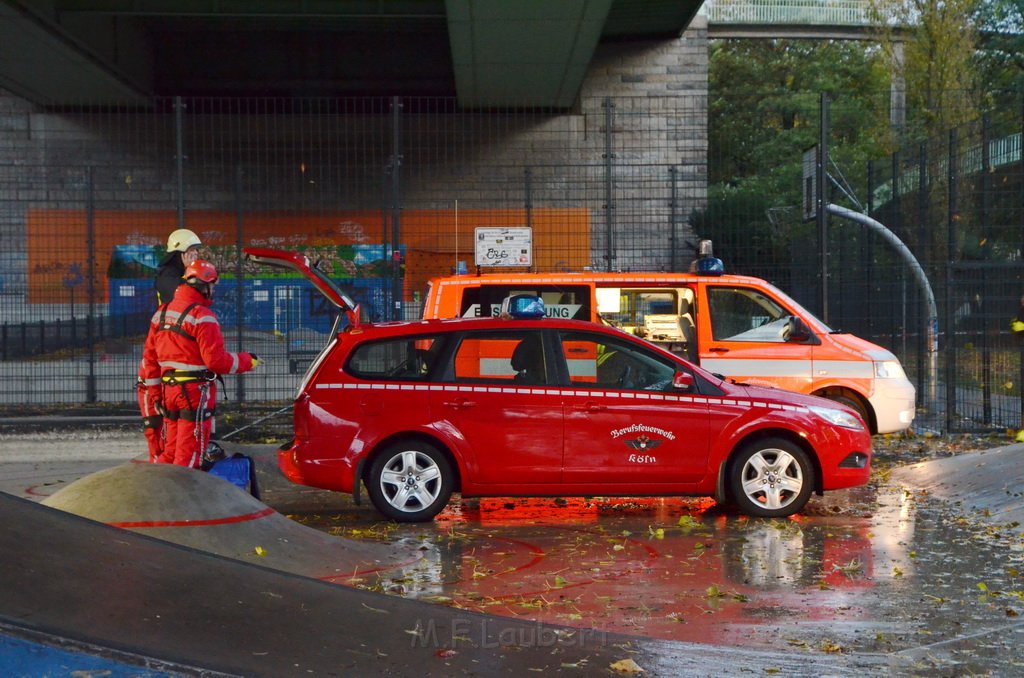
(718, 349)
(590, 407)
(459, 404)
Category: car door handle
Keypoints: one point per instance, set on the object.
(718, 349)
(590, 407)
(459, 404)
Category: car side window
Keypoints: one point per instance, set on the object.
(513, 358)
(400, 359)
(602, 362)
(744, 314)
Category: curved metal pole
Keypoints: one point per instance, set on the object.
(932, 330)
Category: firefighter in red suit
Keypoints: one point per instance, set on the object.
(182, 249)
(185, 351)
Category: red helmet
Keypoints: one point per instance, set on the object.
(202, 271)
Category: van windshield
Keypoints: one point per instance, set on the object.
(746, 314)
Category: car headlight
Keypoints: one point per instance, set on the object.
(838, 417)
(889, 369)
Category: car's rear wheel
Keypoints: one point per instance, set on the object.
(410, 481)
(771, 478)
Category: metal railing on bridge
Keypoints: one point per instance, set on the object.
(856, 13)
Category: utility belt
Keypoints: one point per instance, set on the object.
(196, 412)
(183, 377)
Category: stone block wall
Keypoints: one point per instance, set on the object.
(636, 139)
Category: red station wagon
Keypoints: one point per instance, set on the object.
(543, 407)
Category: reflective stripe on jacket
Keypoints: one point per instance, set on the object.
(199, 345)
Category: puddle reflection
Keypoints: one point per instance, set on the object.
(677, 569)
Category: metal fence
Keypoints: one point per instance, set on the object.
(387, 193)
(957, 203)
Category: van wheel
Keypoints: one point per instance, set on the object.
(771, 478)
(853, 403)
(410, 481)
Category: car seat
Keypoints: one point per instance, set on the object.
(528, 362)
(689, 329)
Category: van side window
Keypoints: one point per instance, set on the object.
(510, 358)
(595, 361)
(404, 359)
(566, 302)
(744, 314)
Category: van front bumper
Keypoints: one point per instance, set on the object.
(894, 402)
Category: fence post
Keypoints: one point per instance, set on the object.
(951, 355)
(179, 157)
(528, 195)
(924, 244)
(609, 187)
(1020, 220)
(986, 352)
(90, 239)
(673, 173)
(396, 209)
(822, 213)
(863, 307)
(239, 280)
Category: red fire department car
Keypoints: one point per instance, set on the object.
(534, 406)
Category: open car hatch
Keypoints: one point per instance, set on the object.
(296, 261)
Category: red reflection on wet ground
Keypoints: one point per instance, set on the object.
(668, 568)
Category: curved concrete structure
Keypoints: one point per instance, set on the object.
(195, 509)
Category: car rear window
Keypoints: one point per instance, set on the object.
(501, 358)
(400, 359)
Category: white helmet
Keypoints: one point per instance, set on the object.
(182, 239)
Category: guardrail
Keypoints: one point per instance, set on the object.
(799, 12)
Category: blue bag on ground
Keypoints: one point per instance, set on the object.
(238, 469)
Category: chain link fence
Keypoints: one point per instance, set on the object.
(384, 192)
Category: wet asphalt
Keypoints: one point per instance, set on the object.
(897, 578)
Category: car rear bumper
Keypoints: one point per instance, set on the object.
(300, 464)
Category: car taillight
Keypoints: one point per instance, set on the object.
(300, 416)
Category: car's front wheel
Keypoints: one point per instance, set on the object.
(771, 478)
(410, 481)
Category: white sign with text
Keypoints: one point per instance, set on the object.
(504, 246)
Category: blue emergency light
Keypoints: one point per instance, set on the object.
(708, 264)
(523, 306)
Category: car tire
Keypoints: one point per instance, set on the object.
(771, 478)
(410, 481)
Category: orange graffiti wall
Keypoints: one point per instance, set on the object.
(58, 240)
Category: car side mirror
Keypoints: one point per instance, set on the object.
(796, 331)
(682, 381)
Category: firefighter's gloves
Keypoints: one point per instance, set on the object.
(256, 362)
(1017, 325)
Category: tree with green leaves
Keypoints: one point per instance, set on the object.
(931, 46)
(764, 113)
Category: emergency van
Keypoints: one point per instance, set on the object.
(738, 326)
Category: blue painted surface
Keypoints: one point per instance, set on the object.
(26, 659)
(280, 304)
